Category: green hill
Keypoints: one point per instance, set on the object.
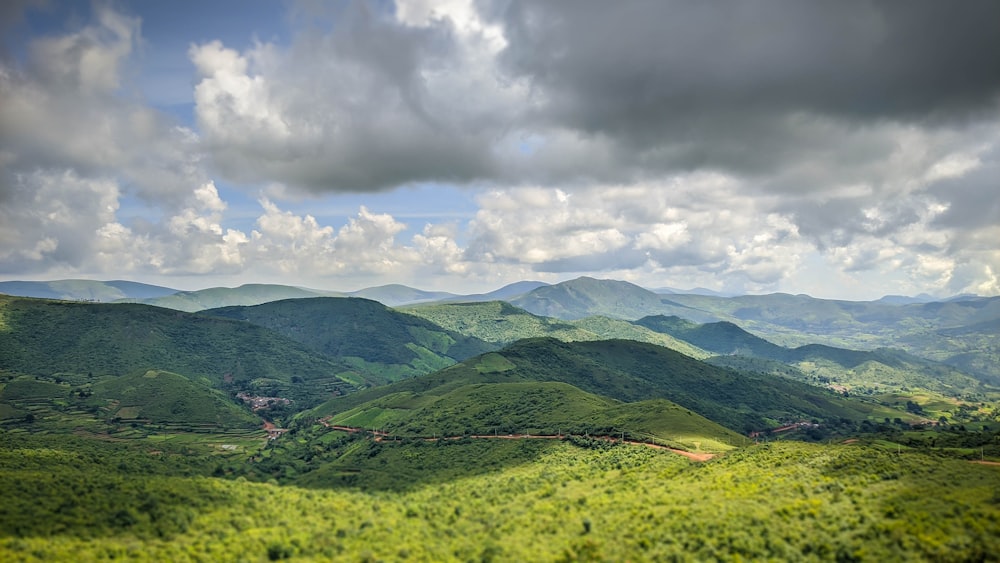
(630, 372)
(877, 370)
(586, 297)
(248, 294)
(546, 408)
(162, 397)
(503, 323)
(43, 337)
(497, 321)
(383, 343)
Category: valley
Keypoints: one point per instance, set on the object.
(277, 425)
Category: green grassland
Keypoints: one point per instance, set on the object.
(785, 501)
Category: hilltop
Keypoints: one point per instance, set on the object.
(44, 337)
(873, 370)
(383, 343)
(630, 372)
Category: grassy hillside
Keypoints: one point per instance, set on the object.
(617, 329)
(531, 407)
(503, 323)
(630, 372)
(161, 397)
(497, 321)
(40, 337)
(586, 297)
(248, 294)
(782, 501)
(379, 341)
(874, 371)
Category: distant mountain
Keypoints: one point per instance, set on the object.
(394, 295)
(587, 297)
(879, 369)
(248, 294)
(385, 344)
(84, 290)
(505, 293)
(692, 291)
(631, 372)
(43, 337)
(905, 300)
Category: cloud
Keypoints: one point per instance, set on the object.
(369, 104)
(669, 143)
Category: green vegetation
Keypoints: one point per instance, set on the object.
(161, 397)
(384, 344)
(95, 340)
(875, 371)
(497, 321)
(630, 372)
(780, 501)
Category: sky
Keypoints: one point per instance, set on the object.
(845, 149)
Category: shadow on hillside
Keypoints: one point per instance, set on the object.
(405, 466)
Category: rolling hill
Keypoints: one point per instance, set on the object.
(41, 337)
(497, 321)
(162, 397)
(503, 323)
(588, 297)
(385, 344)
(876, 370)
(631, 372)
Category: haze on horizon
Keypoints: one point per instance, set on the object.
(841, 149)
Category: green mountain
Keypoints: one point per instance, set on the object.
(497, 321)
(84, 290)
(162, 397)
(876, 370)
(248, 294)
(503, 323)
(54, 337)
(385, 344)
(631, 372)
(586, 297)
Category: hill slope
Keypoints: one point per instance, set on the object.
(631, 371)
(384, 343)
(50, 337)
(164, 397)
(875, 370)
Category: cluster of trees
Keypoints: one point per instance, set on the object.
(780, 500)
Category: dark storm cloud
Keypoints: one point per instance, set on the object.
(630, 68)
